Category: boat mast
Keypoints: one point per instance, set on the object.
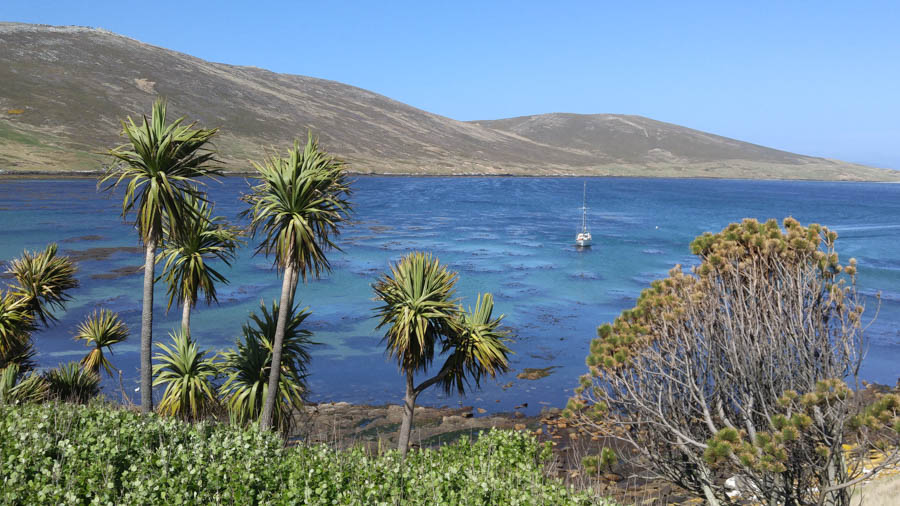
(584, 208)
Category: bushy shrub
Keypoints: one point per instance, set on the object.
(64, 454)
(70, 383)
(740, 367)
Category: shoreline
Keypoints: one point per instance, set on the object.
(50, 175)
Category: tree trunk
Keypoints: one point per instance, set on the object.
(295, 278)
(186, 318)
(147, 327)
(409, 405)
(284, 309)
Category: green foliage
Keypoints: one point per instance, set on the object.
(187, 375)
(102, 329)
(17, 387)
(883, 414)
(605, 460)
(70, 383)
(16, 325)
(299, 205)
(421, 316)
(161, 164)
(247, 367)
(64, 454)
(790, 438)
(187, 268)
(417, 308)
(477, 347)
(41, 282)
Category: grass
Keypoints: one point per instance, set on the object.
(10, 134)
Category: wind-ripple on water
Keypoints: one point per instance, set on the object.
(586, 276)
(518, 247)
(479, 267)
(523, 293)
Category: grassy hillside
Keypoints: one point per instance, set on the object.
(642, 146)
(65, 89)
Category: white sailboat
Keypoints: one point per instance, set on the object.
(583, 239)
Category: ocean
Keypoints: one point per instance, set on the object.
(512, 237)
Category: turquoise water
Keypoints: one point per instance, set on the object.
(509, 236)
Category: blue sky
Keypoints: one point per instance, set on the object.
(817, 77)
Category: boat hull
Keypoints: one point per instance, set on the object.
(583, 243)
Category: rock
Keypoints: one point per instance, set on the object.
(394, 413)
(612, 477)
(481, 411)
(467, 414)
(519, 414)
(535, 374)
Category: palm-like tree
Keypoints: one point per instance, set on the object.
(41, 282)
(161, 164)
(187, 268)
(298, 207)
(247, 368)
(17, 387)
(101, 329)
(187, 374)
(16, 325)
(422, 317)
(477, 348)
(70, 383)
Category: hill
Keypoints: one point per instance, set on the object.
(65, 89)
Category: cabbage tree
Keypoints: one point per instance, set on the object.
(247, 368)
(422, 318)
(160, 166)
(189, 258)
(298, 208)
(100, 330)
(187, 373)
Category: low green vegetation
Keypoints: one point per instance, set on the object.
(66, 454)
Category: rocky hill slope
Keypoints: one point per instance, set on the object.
(65, 89)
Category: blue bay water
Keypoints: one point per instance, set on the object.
(510, 236)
